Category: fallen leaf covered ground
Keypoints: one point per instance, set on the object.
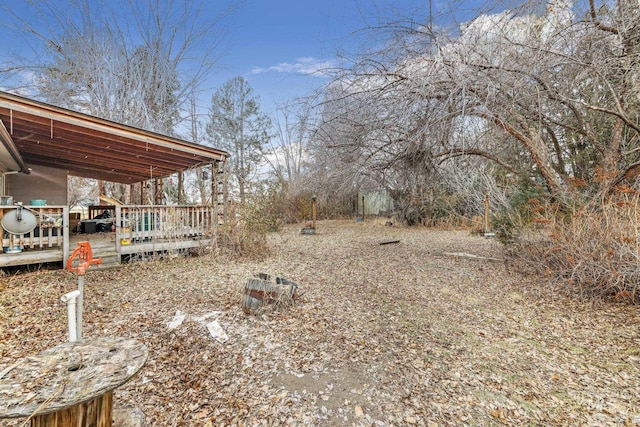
(384, 335)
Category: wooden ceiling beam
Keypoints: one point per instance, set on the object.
(51, 136)
(56, 114)
(30, 133)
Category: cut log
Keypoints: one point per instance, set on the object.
(258, 292)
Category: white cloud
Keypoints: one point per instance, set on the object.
(306, 66)
(21, 83)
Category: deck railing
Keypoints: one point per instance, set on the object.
(48, 242)
(139, 229)
(137, 224)
(49, 233)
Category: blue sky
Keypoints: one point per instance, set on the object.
(277, 44)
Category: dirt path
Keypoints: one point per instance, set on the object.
(384, 335)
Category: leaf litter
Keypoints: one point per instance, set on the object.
(383, 335)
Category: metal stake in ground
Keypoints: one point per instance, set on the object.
(310, 226)
(85, 259)
(314, 202)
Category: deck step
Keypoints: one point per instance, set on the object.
(110, 259)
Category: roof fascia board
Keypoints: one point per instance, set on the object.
(16, 103)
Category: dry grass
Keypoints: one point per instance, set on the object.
(384, 335)
(592, 252)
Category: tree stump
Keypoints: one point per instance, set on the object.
(71, 384)
(260, 291)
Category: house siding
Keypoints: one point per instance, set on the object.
(42, 183)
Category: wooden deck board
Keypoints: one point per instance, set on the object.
(102, 246)
(31, 257)
(155, 246)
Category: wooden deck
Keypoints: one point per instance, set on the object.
(139, 231)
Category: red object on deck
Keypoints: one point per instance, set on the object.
(85, 258)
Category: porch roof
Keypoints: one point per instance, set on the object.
(35, 134)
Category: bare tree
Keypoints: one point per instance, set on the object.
(288, 151)
(548, 94)
(200, 176)
(135, 66)
(82, 192)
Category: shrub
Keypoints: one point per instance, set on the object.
(594, 251)
(273, 205)
(238, 240)
(244, 233)
(524, 206)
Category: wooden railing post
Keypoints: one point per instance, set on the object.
(65, 233)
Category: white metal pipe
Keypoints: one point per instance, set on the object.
(79, 309)
(71, 299)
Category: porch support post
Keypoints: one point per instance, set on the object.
(214, 184)
(180, 188)
(65, 234)
(100, 188)
(225, 196)
(158, 193)
(119, 231)
(215, 194)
